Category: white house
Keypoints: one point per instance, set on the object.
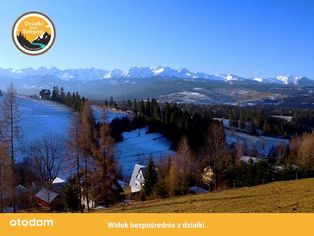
(208, 175)
(91, 203)
(59, 183)
(137, 179)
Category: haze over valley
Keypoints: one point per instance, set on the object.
(164, 84)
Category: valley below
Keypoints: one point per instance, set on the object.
(166, 84)
(42, 118)
(182, 127)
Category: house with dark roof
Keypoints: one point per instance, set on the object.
(45, 94)
(23, 198)
(137, 179)
(112, 187)
(197, 190)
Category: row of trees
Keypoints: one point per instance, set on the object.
(174, 122)
(262, 118)
(199, 142)
(72, 100)
(90, 158)
(45, 154)
(175, 175)
(302, 152)
(258, 117)
(88, 155)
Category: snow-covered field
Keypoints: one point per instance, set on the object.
(287, 118)
(101, 115)
(224, 121)
(39, 118)
(262, 144)
(138, 146)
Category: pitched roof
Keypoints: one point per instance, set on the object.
(58, 180)
(135, 172)
(46, 195)
(196, 189)
(20, 189)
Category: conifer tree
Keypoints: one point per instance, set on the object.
(150, 177)
(72, 202)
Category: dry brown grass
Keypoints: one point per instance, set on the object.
(289, 196)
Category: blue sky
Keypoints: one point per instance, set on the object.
(244, 37)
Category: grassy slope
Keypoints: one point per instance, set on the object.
(289, 196)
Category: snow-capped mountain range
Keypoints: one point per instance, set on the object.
(92, 74)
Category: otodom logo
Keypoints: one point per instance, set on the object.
(33, 33)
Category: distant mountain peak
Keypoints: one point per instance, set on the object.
(134, 73)
(43, 39)
(288, 79)
(156, 70)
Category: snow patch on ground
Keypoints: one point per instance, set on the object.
(138, 147)
(101, 115)
(225, 122)
(39, 118)
(262, 144)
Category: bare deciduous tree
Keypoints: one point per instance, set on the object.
(74, 156)
(215, 146)
(183, 170)
(48, 154)
(106, 165)
(85, 140)
(10, 133)
(5, 173)
(303, 146)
